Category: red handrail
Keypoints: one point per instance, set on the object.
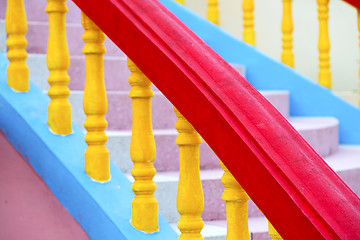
(355, 3)
(291, 184)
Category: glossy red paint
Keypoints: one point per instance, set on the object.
(355, 3)
(291, 184)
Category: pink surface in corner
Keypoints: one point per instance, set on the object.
(28, 209)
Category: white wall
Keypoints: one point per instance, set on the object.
(344, 36)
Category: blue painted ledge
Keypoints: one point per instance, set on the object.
(102, 209)
(306, 97)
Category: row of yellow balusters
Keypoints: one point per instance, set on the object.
(287, 55)
(144, 206)
(235, 197)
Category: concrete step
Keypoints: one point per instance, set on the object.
(279, 99)
(116, 74)
(35, 11)
(344, 162)
(119, 114)
(216, 230)
(321, 133)
(37, 39)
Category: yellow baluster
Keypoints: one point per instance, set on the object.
(190, 199)
(287, 56)
(273, 233)
(15, 25)
(142, 152)
(324, 44)
(181, 1)
(95, 102)
(213, 11)
(236, 207)
(57, 59)
(249, 32)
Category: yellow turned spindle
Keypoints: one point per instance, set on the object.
(190, 199)
(15, 25)
(213, 11)
(273, 233)
(142, 152)
(95, 102)
(324, 44)
(181, 1)
(287, 56)
(249, 32)
(57, 59)
(236, 207)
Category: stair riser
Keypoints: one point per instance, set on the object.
(260, 236)
(37, 39)
(167, 154)
(119, 115)
(214, 208)
(119, 112)
(352, 178)
(324, 141)
(116, 72)
(321, 133)
(279, 99)
(35, 11)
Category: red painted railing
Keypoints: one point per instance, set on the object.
(355, 3)
(301, 196)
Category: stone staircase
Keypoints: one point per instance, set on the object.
(321, 133)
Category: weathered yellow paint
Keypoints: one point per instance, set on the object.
(57, 59)
(142, 152)
(236, 207)
(190, 198)
(213, 11)
(181, 1)
(249, 32)
(324, 44)
(273, 233)
(287, 56)
(95, 102)
(16, 27)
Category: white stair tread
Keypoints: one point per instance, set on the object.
(128, 132)
(173, 176)
(209, 231)
(217, 229)
(347, 157)
(307, 123)
(274, 92)
(299, 123)
(256, 224)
